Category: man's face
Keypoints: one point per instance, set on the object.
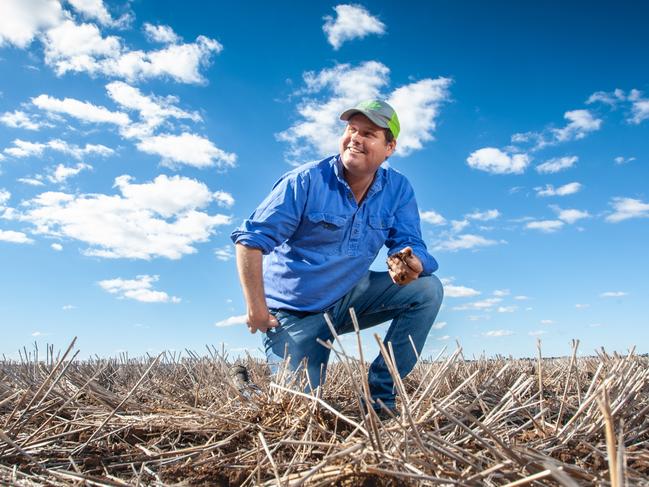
(363, 147)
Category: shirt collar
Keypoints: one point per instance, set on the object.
(379, 178)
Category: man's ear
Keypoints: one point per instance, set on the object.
(392, 146)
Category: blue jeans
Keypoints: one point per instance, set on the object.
(375, 299)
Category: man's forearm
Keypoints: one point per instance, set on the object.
(249, 264)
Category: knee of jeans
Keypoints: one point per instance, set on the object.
(432, 290)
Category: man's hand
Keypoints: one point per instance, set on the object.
(261, 321)
(404, 267)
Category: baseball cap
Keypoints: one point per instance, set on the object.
(378, 112)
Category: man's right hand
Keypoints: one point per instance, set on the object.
(261, 321)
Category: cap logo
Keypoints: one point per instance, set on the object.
(370, 105)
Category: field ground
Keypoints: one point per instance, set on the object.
(172, 420)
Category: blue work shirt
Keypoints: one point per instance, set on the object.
(319, 242)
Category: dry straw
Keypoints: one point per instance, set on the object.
(179, 418)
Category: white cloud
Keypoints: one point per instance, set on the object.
(23, 148)
(608, 98)
(31, 181)
(61, 172)
(506, 309)
(84, 111)
(582, 306)
(613, 294)
(625, 208)
(223, 199)
(466, 241)
(639, 107)
(351, 22)
(68, 307)
(564, 190)
(570, 215)
(4, 197)
(498, 333)
(501, 292)
(77, 47)
(537, 333)
(555, 165)
(432, 217)
(58, 247)
(14, 237)
(225, 253)
(156, 219)
(331, 91)
(19, 119)
(623, 160)
(181, 62)
(231, 321)
(547, 322)
(521, 298)
(495, 161)
(139, 289)
(93, 9)
(443, 338)
(484, 215)
(160, 33)
(581, 122)
(439, 325)
(186, 148)
(546, 226)
(483, 305)
(452, 291)
(22, 20)
(417, 105)
(459, 225)
(153, 110)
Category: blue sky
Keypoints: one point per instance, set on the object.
(134, 136)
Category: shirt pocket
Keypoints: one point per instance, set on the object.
(324, 233)
(378, 231)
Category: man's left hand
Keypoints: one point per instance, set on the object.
(404, 267)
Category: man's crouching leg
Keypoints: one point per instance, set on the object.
(416, 306)
(294, 345)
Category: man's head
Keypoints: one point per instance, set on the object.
(370, 137)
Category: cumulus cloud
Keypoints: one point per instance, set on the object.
(22, 20)
(351, 22)
(482, 305)
(483, 215)
(432, 217)
(557, 164)
(495, 161)
(93, 10)
(152, 110)
(58, 247)
(506, 309)
(231, 321)
(84, 111)
(639, 107)
(61, 173)
(566, 189)
(626, 208)
(570, 215)
(328, 93)
(139, 289)
(453, 291)
(160, 33)
(14, 237)
(580, 124)
(224, 254)
(4, 197)
(438, 325)
(161, 218)
(498, 333)
(223, 199)
(37, 181)
(466, 241)
(19, 119)
(186, 148)
(547, 226)
(609, 98)
(23, 148)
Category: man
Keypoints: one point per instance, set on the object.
(320, 229)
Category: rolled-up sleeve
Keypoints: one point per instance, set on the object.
(406, 230)
(276, 218)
